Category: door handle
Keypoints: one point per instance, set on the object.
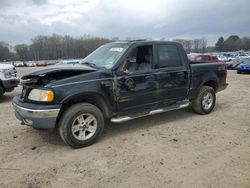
(180, 73)
(150, 77)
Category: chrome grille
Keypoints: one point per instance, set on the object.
(13, 72)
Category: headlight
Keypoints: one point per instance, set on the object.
(41, 95)
(6, 73)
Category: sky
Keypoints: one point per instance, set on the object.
(20, 21)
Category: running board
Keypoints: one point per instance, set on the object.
(122, 119)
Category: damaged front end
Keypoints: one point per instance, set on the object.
(36, 105)
(36, 84)
(51, 74)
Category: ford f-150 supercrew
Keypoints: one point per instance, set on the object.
(118, 82)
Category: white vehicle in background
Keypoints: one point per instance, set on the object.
(232, 57)
(242, 56)
(8, 78)
(222, 57)
(18, 64)
(30, 64)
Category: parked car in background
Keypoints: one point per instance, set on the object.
(232, 65)
(8, 78)
(30, 64)
(232, 56)
(203, 58)
(244, 66)
(242, 56)
(68, 62)
(18, 64)
(222, 57)
(41, 64)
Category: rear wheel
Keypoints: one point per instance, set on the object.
(238, 72)
(205, 101)
(81, 125)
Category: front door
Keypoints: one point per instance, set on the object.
(137, 88)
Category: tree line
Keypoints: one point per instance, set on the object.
(232, 43)
(198, 45)
(5, 53)
(66, 47)
(52, 47)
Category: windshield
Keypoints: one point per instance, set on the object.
(106, 56)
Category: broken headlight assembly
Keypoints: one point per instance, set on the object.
(41, 95)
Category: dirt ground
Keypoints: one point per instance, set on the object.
(173, 149)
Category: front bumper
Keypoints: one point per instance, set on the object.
(10, 84)
(36, 115)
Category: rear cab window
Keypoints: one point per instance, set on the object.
(168, 56)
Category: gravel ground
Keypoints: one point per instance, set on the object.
(173, 149)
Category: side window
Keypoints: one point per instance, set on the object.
(199, 58)
(214, 58)
(140, 59)
(168, 56)
(205, 58)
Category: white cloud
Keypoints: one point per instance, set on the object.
(22, 20)
(49, 12)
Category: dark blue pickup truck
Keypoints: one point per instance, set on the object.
(118, 82)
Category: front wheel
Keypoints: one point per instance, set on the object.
(81, 125)
(205, 101)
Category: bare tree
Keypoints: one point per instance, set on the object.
(196, 45)
(23, 51)
(203, 43)
(4, 51)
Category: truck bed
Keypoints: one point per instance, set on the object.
(200, 72)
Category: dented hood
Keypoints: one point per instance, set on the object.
(59, 69)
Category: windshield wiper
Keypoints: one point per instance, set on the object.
(90, 64)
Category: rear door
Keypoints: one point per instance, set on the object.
(172, 73)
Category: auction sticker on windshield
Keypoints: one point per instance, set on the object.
(116, 49)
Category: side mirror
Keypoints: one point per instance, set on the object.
(124, 70)
(129, 83)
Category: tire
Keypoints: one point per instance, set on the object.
(81, 125)
(205, 101)
(1, 91)
(238, 72)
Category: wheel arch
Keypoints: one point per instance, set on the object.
(208, 82)
(93, 98)
(212, 83)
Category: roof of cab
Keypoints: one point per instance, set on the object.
(144, 41)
